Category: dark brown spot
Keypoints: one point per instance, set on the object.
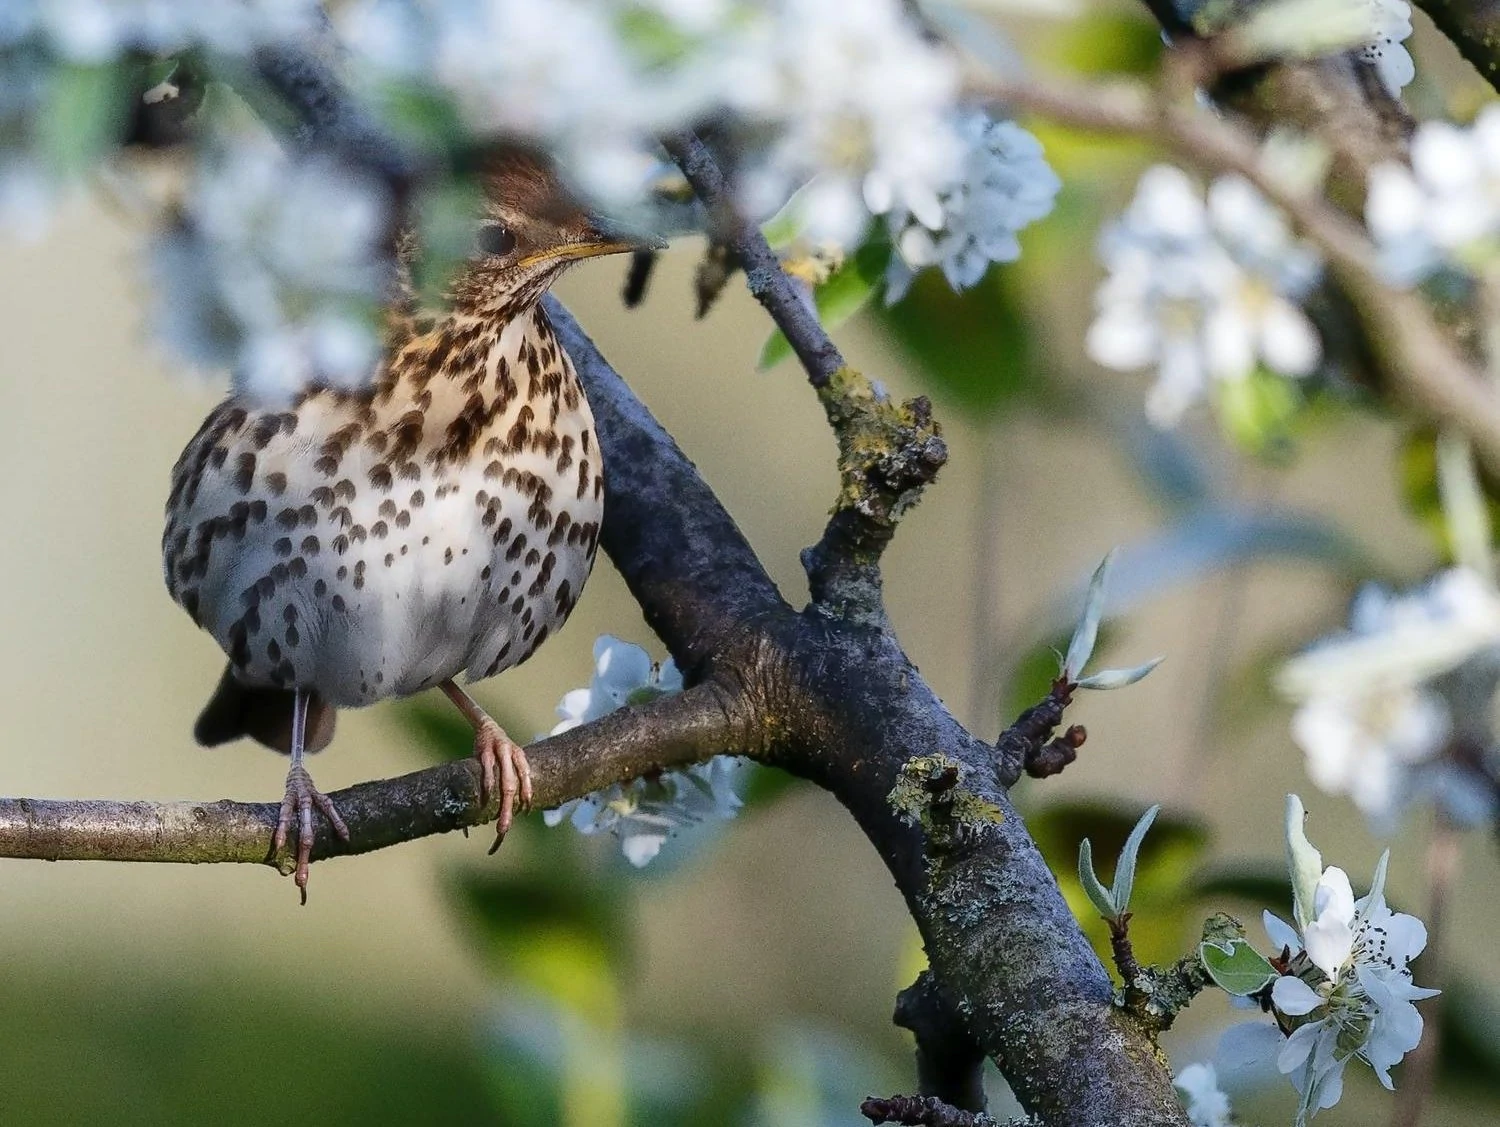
(379, 529)
(310, 546)
(265, 430)
(338, 603)
(283, 546)
(276, 483)
(244, 472)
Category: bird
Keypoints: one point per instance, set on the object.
(352, 546)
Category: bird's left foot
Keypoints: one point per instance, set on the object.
(301, 797)
(502, 759)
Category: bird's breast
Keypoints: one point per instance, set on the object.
(370, 546)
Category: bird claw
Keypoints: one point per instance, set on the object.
(301, 797)
(503, 764)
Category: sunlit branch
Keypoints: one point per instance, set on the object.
(671, 732)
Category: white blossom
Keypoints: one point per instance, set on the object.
(275, 270)
(1380, 704)
(857, 102)
(642, 813)
(1443, 211)
(1202, 290)
(1205, 1104)
(95, 31)
(1349, 994)
(1004, 184)
(1386, 50)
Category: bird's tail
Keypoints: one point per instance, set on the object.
(265, 715)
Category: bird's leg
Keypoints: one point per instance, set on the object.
(301, 797)
(498, 754)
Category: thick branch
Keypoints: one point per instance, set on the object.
(950, 1064)
(685, 560)
(670, 732)
(1422, 365)
(1474, 27)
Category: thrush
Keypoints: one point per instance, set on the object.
(359, 545)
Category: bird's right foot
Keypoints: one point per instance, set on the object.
(301, 797)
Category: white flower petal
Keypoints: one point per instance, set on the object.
(1294, 997)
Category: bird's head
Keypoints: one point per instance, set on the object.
(532, 230)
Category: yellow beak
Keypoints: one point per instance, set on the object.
(571, 251)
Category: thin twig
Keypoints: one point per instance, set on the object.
(789, 307)
(888, 452)
(670, 732)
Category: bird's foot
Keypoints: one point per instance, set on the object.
(301, 797)
(502, 760)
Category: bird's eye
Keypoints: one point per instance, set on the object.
(496, 239)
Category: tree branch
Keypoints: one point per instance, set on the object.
(670, 732)
(950, 1064)
(788, 307)
(683, 557)
(888, 452)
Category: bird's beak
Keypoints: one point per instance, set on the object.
(600, 236)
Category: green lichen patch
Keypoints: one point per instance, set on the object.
(930, 793)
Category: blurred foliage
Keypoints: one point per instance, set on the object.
(207, 1046)
(1417, 467)
(971, 348)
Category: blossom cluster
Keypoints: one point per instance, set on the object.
(1004, 184)
(1444, 211)
(644, 812)
(274, 269)
(1346, 990)
(812, 89)
(1396, 710)
(1202, 289)
(1338, 984)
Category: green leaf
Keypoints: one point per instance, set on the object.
(762, 785)
(1119, 678)
(1236, 968)
(1081, 648)
(1110, 43)
(84, 114)
(846, 291)
(1125, 867)
(1465, 506)
(1099, 896)
(1165, 860)
(1257, 412)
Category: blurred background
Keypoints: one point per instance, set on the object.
(747, 975)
